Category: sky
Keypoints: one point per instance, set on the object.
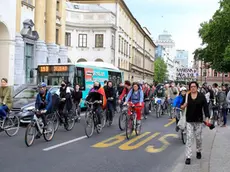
(181, 18)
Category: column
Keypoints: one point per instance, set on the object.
(18, 16)
(40, 18)
(51, 31)
(63, 53)
(50, 21)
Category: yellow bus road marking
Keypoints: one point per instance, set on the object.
(170, 123)
(127, 146)
(110, 141)
(152, 149)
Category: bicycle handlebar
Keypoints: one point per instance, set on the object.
(92, 103)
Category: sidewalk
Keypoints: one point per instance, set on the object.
(215, 154)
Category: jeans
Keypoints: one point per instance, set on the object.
(224, 113)
(98, 110)
(110, 107)
(3, 110)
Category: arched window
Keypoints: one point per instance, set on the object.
(99, 60)
(81, 60)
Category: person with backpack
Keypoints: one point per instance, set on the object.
(127, 88)
(159, 93)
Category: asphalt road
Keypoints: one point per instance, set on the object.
(155, 150)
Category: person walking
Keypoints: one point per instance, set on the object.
(194, 103)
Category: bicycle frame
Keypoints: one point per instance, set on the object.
(36, 121)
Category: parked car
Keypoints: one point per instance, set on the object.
(24, 100)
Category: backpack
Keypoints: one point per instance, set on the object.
(160, 92)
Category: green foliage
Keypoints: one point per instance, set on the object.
(215, 35)
(160, 70)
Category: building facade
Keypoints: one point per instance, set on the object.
(166, 50)
(182, 56)
(40, 37)
(90, 33)
(208, 75)
(7, 37)
(134, 49)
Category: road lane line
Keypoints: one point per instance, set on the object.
(64, 143)
(110, 141)
(128, 145)
(170, 123)
(152, 149)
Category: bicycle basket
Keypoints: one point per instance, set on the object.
(159, 101)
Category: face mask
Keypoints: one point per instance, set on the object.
(63, 85)
(41, 91)
(96, 87)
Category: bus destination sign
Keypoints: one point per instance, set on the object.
(43, 69)
(60, 69)
(47, 69)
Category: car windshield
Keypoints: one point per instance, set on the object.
(27, 94)
(53, 90)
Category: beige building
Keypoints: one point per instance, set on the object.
(134, 49)
(31, 32)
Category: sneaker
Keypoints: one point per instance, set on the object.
(110, 123)
(188, 161)
(198, 155)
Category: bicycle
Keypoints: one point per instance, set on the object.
(10, 124)
(146, 107)
(131, 122)
(92, 119)
(159, 107)
(122, 117)
(59, 119)
(36, 127)
(170, 110)
(183, 133)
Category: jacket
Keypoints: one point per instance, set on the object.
(102, 92)
(6, 97)
(48, 102)
(228, 99)
(135, 98)
(177, 102)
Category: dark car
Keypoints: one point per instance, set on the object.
(24, 99)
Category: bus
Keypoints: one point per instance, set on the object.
(82, 73)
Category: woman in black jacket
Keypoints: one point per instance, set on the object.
(110, 93)
(196, 105)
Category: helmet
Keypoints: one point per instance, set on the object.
(183, 89)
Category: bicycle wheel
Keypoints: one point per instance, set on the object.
(12, 125)
(158, 110)
(183, 136)
(56, 121)
(69, 124)
(138, 129)
(122, 121)
(31, 131)
(129, 127)
(89, 125)
(48, 134)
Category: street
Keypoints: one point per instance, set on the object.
(155, 150)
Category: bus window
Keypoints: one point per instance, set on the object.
(115, 77)
(80, 78)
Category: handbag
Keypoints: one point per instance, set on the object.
(182, 122)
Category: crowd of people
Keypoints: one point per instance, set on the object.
(196, 102)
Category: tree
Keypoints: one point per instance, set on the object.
(160, 70)
(215, 35)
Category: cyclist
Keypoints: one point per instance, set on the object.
(159, 93)
(5, 98)
(43, 103)
(136, 97)
(65, 103)
(147, 94)
(222, 102)
(111, 100)
(77, 97)
(97, 93)
(120, 89)
(125, 91)
(177, 104)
